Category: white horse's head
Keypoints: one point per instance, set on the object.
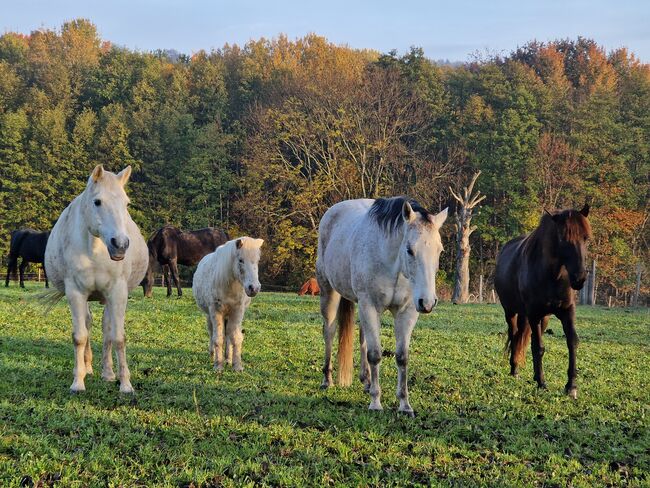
(247, 257)
(104, 205)
(420, 254)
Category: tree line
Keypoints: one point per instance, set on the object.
(261, 139)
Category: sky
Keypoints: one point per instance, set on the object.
(455, 30)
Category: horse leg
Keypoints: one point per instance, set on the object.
(511, 320)
(79, 310)
(11, 268)
(23, 265)
(329, 304)
(236, 336)
(208, 325)
(568, 319)
(167, 279)
(88, 352)
(537, 347)
(228, 343)
(173, 266)
(47, 283)
(116, 302)
(405, 320)
(369, 317)
(217, 338)
(364, 372)
(107, 350)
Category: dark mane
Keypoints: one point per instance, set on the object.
(387, 212)
(573, 224)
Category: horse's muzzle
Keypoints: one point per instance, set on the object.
(426, 307)
(251, 290)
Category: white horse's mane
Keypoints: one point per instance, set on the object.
(223, 257)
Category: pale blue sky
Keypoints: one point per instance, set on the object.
(451, 29)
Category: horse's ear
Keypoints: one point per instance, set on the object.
(124, 175)
(439, 218)
(97, 173)
(585, 210)
(407, 212)
(259, 242)
(239, 243)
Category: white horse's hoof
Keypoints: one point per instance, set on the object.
(127, 389)
(77, 387)
(238, 368)
(218, 368)
(408, 412)
(110, 377)
(376, 407)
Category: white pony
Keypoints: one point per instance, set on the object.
(384, 255)
(222, 285)
(96, 252)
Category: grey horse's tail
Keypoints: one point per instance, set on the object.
(48, 299)
(346, 331)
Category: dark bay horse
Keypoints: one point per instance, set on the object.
(535, 277)
(29, 245)
(170, 246)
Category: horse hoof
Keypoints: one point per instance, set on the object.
(376, 407)
(238, 369)
(218, 368)
(324, 385)
(572, 393)
(408, 413)
(110, 377)
(541, 386)
(77, 388)
(127, 390)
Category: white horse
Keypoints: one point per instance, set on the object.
(96, 252)
(222, 285)
(382, 254)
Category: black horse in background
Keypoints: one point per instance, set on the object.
(170, 246)
(535, 277)
(29, 245)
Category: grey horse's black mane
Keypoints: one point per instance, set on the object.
(387, 212)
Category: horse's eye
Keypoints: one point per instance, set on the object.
(97, 203)
(409, 251)
(241, 261)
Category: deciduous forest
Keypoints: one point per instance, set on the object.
(261, 139)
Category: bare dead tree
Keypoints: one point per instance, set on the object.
(464, 213)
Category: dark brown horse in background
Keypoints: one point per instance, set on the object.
(29, 245)
(535, 277)
(170, 246)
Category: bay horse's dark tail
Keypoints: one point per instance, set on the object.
(517, 342)
(346, 332)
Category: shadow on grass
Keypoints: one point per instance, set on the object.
(181, 387)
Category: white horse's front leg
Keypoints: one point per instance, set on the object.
(88, 352)
(217, 338)
(370, 323)
(79, 309)
(107, 351)
(235, 336)
(116, 303)
(405, 320)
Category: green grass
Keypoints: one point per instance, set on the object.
(271, 424)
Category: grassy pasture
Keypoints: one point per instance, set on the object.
(271, 425)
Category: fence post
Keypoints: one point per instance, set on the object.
(480, 289)
(592, 284)
(637, 288)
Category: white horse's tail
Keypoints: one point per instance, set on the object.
(346, 330)
(48, 299)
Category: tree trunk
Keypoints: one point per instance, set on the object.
(464, 213)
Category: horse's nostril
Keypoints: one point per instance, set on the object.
(421, 304)
(114, 242)
(435, 302)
